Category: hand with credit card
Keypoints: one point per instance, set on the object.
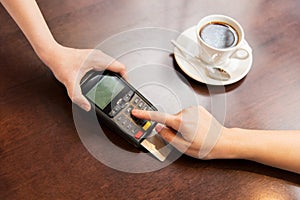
(195, 132)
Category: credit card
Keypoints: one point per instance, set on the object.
(156, 146)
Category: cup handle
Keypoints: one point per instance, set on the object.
(241, 56)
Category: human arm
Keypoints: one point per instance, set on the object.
(276, 148)
(68, 65)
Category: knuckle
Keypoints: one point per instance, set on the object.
(178, 120)
(122, 66)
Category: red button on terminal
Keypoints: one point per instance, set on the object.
(138, 135)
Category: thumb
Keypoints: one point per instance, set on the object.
(82, 102)
(78, 98)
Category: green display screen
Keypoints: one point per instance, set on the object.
(105, 91)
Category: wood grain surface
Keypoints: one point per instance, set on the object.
(42, 155)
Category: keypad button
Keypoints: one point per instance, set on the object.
(134, 130)
(128, 96)
(141, 104)
(121, 118)
(136, 100)
(125, 122)
(121, 103)
(138, 135)
(129, 126)
(112, 113)
(128, 110)
(130, 93)
(146, 107)
(117, 108)
(147, 125)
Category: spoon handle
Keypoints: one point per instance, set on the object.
(217, 73)
(177, 45)
(181, 48)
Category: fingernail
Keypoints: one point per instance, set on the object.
(134, 111)
(158, 128)
(86, 107)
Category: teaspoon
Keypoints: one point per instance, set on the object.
(216, 73)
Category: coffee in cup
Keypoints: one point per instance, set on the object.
(219, 35)
(220, 39)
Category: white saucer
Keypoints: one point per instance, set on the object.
(238, 68)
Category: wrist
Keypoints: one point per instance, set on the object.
(51, 55)
(229, 145)
(47, 52)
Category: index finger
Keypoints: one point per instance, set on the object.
(160, 117)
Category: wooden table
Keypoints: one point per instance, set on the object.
(43, 157)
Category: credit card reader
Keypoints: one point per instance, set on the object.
(114, 98)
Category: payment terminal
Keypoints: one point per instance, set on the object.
(114, 99)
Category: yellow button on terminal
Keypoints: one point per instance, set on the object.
(147, 125)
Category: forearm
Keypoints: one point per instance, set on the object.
(27, 15)
(279, 149)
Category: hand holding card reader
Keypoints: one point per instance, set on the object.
(114, 99)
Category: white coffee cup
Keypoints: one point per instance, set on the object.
(209, 51)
